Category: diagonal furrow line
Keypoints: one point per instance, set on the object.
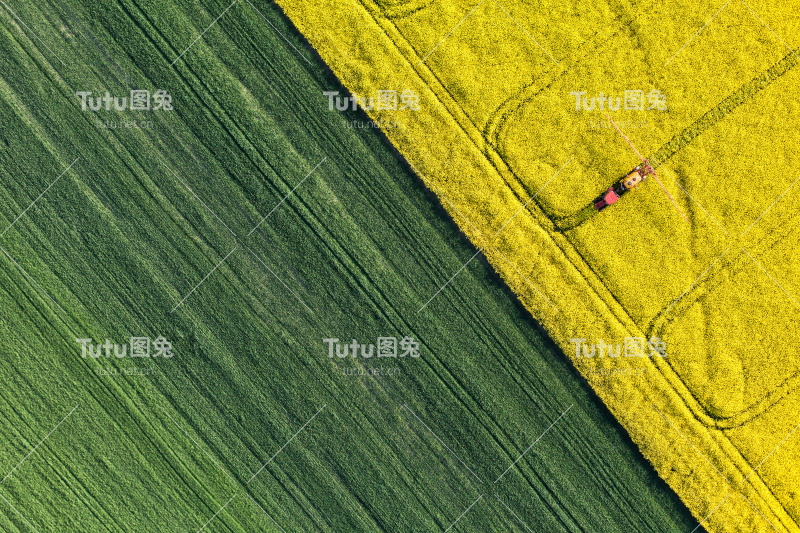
(32, 280)
(38, 197)
(215, 514)
(281, 281)
(534, 443)
(449, 280)
(198, 198)
(30, 30)
(20, 514)
(287, 196)
(198, 445)
(205, 278)
(462, 514)
(285, 445)
(204, 32)
(442, 443)
(40, 443)
(450, 32)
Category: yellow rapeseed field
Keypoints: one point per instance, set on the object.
(510, 134)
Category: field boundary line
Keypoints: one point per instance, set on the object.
(441, 195)
(526, 279)
(522, 208)
(556, 243)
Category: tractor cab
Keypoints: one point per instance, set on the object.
(634, 178)
(630, 181)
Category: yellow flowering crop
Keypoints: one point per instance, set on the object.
(510, 135)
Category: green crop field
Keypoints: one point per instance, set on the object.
(244, 226)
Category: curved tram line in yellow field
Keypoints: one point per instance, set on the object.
(674, 145)
(603, 280)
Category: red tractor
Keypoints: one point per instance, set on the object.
(631, 180)
(634, 177)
